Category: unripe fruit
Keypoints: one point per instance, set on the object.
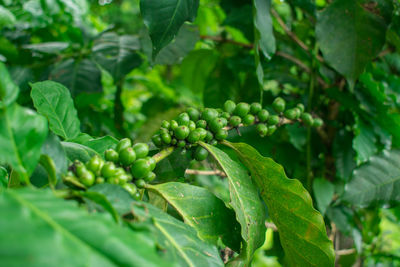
(307, 119)
(209, 136)
(263, 115)
(271, 130)
(200, 153)
(193, 137)
(174, 141)
(181, 132)
(301, 107)
(136, 196)
(131, 188)
(94, 164)
(291, 114)
(192, 126)
(140, 183)
(234, 121)
(124, 178)
(108, 170)
(213, 142)
(113, 180)
(298, 112)
(225, 115)
(80, 168)
(150, 177)
(119, 171)
(193, 113)
(183, 119)
(255, 108)
(123, 143)
(216, 124)
(173, 125)
(221, 134)
(318, 122)
(165, 124)
(241, 109)
(140, 168)
(111, 155)
(262, 129)
(127, 156)
(279, 104)
(208, 114)
(141, 150)
(202, 132)
(248, 119)
(201, 124)
(273, 120)
(157, 141)
(229, 106)
(166, 138)
(87, 178)
(181, 143)
(152, 162)
(100, 180)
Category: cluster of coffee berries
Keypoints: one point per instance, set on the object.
(126, 165)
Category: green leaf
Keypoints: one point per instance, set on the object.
(100, 200)
(77, 75)
(250, 212)
(22, 133)
(48, 47)
(301, 228)
(48, 164)
(344, 154)
(117, 54)
(351, 34)
(364, 142)
(263, 27)
(164, 19)
(6, 17)
(54, 101)
(174, 166)
(3, 179)
(375, 183)
(99, 145)
(179, 239)
(56, 231)
(323, 191)
(76, 151)
(52, 147)
(8, 89)
(203, 211)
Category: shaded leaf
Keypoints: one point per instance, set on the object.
(6, 17)
(323, 192)
(301, 228)
(119, 198)
(364, 142)
(263, 27)
(100, 200)
(54, 101)
(3, 179)
(99, 145)
(48, 47)
(344, 154)
(76, 151)
(8, 89)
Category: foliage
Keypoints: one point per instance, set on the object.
(163, 133)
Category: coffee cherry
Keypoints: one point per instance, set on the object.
(262, 129)
(255, 108)
(213, 142)
(193, 137)
(216, 124)
(279, 104)
(157, 141)
(150, 177)
(100, 180)
(183, 119)
(165, 124)
(94, 164)
(173, 125)
(271, 129)
(301, 107)
(200, 153)
(137, 196)
(123, 143)
(298, 112)
(208, 114)
(113, 180)
(140, 168)
(193, 113)
(209, 136)
(201, 124)
(291, 114)
(248, 120)
(140, 183)
(119, 171)
(221, 134)
(202, 132)
(225, 115)
(241, 109)
(318, 122)
(263, 115)
(166, 138)
(87, 178)
(307, 119)
(174, 141)
(111, 155)
(80, 168)
(229, 106)
(181, 132)
(124, 178)
(192, 126)
(273, 120)
(234, 121)
(152, 162)
(181, 143)
(131, 188)
(141, 150)
(127, 156)
(108, 169)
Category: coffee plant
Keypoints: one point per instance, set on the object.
(199, 133)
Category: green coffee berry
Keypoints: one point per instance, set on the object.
(113, 180)
(263, 115)
(127, 156)
(152, 162)
(249, 120)
(111, 155)
(181, 143)
(221, 134)
(108, 169)
(200, 153)
(298, 112)
(279, 104)
(300, 106)
(80, 168)
(183, 119)
(94, 164)
(208, 114)
(229, 106)
(318, 122)
(202, 132)
(173, 125)
(241, 109)
(150, 177)
(209, 136)
(141, 150)
(234, 121)
(201, 124)
(140, 168)
(262, 129)
(213, 142)
(225, 115)
(291, 114)
(307, 119)
(137, 196)
(174, 141)
(193, 113)
(166, 138)
(192, 126)
(140, 183)
(87, 178)
(131, 188)
(100, 180)
(181, 132)
(216, 124)
(193, 137)
(255, 108)
(123, 143)
(271, 130)
(273, 120)
(157, 141)
(165, 124)
(124, 178)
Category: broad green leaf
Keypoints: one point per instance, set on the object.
(350, 35)
(77, 75)
(178, 239)
(22, 133)
(48, 164)
(323, 192)
(375, 183)
(42, 230)
(301, 228)
(117, 54)
(100, 200)
(6, 17)
(174, 166)
(263, 27)
(250, 212)
(203, 211)
(8, 89)
(3, 179)
(364, 142)
(99, 145)
(307, 5)
(119, 198)
(54, 101)
(164, 19)
(76, 151)
(344, 154)
(52, 147)
(48, 47)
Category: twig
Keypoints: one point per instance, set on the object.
(345, 251)
(202, 172)
(163, 154)
(272, 226)
(224, 40)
